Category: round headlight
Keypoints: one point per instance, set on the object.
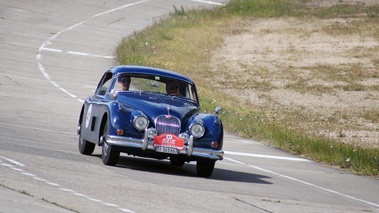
(141, 122)
(197, 130)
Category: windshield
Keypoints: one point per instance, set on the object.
(155, 84)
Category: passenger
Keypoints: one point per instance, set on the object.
(124, 82)
(172, 88)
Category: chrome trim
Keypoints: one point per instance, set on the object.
(101, 141)
(138, 116)
(145, 140)
(167, 123)
(79, 129)
(188, 150)
(197, 123)
(190, 146)
(218, 110)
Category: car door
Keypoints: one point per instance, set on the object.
(95, 107)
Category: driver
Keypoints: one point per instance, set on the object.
(124, 82)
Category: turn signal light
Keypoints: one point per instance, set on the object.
(120, 132)
(214, 144)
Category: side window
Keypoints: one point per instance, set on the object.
(104, 84)
(191, 93)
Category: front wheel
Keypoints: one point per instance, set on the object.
(108, 155)
(85, 147)
(205, 168)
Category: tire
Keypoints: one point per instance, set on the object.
(205, 168)
(176, 162)
(85, 147)
(108, 155)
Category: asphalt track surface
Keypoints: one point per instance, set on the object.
(52, 54)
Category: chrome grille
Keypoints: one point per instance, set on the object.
(167, 124)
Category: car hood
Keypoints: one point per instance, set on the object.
(154, 105)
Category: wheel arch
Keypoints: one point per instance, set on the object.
(104, 120)
(81, 115)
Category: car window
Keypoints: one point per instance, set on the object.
(191, 93)
(147, 85)
(104, 84)
(138, 84)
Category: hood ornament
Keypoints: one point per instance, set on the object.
(169, 112)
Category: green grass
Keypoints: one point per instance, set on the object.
(183, 42)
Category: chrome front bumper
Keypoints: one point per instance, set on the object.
(147, 144)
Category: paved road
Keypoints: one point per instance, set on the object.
(52, 54)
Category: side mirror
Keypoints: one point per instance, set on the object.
(218, 110)
(113, 94)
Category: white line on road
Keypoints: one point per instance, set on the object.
(35, 177)
(77, 53)
(306, 183)
(267, 156)
(209, 2)
(13, 161)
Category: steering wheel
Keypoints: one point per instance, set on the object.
(175, 94)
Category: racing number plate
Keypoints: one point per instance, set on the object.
(168, 143)
(166, 149)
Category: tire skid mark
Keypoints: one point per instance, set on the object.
(12, 164)
(255, 206)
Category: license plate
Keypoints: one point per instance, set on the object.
(165, 149)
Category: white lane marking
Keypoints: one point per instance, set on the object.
(306, 183)
(66, 190)
(17, 169)
(28, 174)
(13, 161)
(110, 204)
(78, 53)
(94, 200)
(42, 47)
(35, 177)
(266, 156)
(209, 2)
(6, 164)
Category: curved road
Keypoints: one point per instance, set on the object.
(52, 54)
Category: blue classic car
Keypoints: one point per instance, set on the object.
(150, 112)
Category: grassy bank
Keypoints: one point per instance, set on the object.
(184, 42)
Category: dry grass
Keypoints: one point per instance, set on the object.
(308, 85)
(318, 76)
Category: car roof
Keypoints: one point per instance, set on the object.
(144, 70)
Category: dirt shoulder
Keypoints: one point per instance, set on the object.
(317, 75)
